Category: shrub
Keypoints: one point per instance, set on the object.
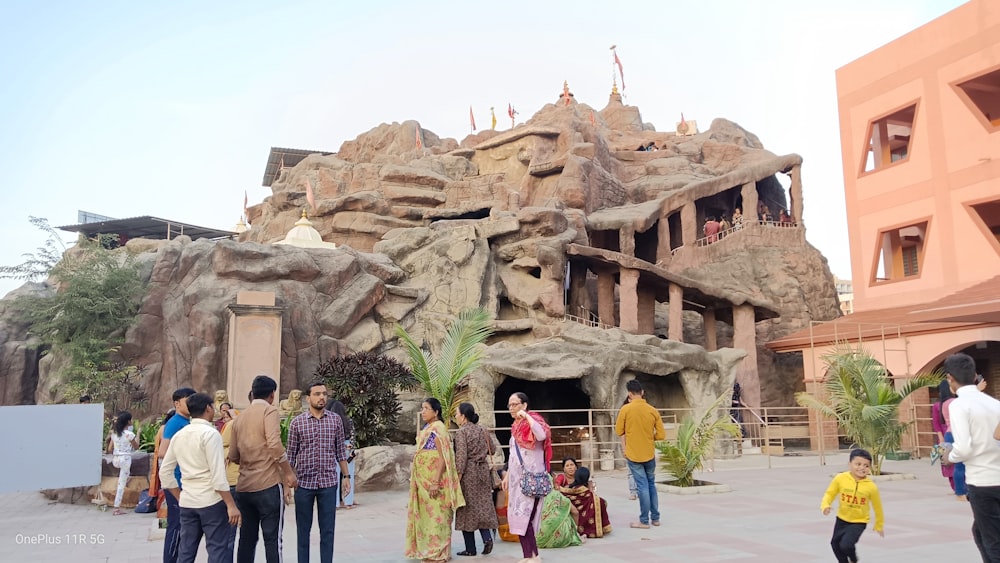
(367, 384)
(443, 375)
(695, 440)
(97, 299)
(863, 399)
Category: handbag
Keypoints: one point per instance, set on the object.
(535, 485)
(146, 504)
(495, 479)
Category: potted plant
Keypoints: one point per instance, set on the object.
(861, 396)
(695, 440)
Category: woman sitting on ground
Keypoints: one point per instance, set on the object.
(593, 520)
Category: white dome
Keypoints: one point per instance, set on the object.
(305, 236)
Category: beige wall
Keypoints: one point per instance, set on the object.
(954, 159)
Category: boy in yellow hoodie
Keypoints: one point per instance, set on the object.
(858, 496)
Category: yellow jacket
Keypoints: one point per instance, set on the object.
(641, 425)
(857, 499)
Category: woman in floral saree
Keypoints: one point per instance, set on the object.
(592, 519)
(434, 490)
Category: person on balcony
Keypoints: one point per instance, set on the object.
(712, 228)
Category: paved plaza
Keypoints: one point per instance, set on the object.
(771, 515)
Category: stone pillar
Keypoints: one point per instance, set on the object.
(626, 240)
(689, 223)
(606, 297)
(579, 297)
(749, 193)
(647, 309)
(675, 327)
(795, 194)
(663, 240)
(628, 300)
(711, 338)
(745, 337)
(254, 343)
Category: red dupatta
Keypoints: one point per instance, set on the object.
(525, 438)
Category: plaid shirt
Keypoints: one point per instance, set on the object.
(315, 445)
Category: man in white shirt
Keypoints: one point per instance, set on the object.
(974, 415)
(206, 505)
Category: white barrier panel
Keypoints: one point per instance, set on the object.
(50, 446)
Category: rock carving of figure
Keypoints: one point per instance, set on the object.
(220, 397)
(292, 405)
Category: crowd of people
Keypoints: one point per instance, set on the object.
(229, 473)
(716, 227)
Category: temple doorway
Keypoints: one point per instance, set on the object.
(564, 395)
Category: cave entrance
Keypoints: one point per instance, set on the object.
(564, 395)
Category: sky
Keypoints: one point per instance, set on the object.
(170, 108)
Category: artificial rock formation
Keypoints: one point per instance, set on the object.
(557, 219)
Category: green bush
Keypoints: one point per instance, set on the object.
(367, 384)
(695, 440)
(97, 298)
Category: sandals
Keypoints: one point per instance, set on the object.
(466, 553)
(118, 512)
(487, 547)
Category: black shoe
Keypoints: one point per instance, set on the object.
(488, 547)
(466, 553)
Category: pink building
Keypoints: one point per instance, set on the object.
(920, 144)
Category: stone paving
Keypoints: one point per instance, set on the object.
(771, 515)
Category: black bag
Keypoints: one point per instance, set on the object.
(146, 504)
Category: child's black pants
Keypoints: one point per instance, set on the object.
(845, 539)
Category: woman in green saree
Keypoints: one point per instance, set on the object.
(558, 528)
(435, 492)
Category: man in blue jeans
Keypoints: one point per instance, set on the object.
(640, 425)
(315, 449)
(173, 536)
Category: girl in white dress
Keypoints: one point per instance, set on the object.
(122, 442)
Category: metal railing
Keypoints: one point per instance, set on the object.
(771, 432)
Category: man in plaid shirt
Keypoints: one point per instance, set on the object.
(315, 448)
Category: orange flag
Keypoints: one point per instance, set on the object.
(472, 119)
(593, 120)
(246, 214)
(420, 144)
(310, 196)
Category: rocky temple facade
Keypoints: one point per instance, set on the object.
(591, 255)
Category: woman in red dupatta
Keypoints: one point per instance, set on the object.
(530, 437)
(593, 520)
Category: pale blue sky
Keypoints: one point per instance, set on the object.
(169, 108)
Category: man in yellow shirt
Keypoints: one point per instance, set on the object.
(640, 425)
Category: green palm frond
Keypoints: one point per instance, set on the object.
(862, 397)
(460, 353)
(696, 440)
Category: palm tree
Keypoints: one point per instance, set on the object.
(861, 396)
(459, 356)
(695, 440)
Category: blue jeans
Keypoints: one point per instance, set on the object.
(958, 476)
(326, 507)
(211, 522)
(645, 483)
(172, 539)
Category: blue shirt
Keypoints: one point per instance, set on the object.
(175, 423)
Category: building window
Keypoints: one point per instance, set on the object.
(889, 139)
(900, 253)
(987, 214)
(984, 94)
